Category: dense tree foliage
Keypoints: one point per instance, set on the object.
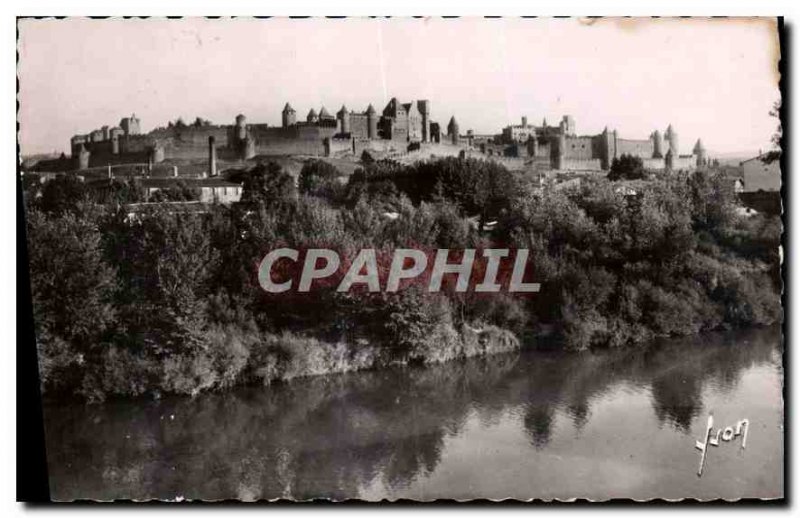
(180, 191)
(265, 184)
(154, 300)
(319, 178)
(626, 167)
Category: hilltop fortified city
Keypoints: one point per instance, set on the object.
(198, 153)
(398, 128)
(404, 258)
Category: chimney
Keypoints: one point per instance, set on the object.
(212, 156)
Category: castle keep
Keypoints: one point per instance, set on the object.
(321, 133)
(559, 147)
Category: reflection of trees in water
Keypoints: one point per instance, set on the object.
(579, 411)
(323, 437)
(538, 422)
(677, 398)
(718, 360)
(332, 436)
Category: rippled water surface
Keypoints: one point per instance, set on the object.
(527, 425)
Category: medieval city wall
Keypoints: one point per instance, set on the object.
(653, 164)
(640, 148)
(543, 150)
(359, 126)
(191, 143)
(540, 163)
(191, 136)
(300, 139)
(579, 148)
(291, 147)
(688, 162)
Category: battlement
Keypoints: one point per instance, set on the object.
(400, 122)
(567, 150)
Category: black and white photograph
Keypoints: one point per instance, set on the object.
(405, 259)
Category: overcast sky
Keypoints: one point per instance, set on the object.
(715, 79)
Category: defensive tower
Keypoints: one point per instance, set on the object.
(288, 116)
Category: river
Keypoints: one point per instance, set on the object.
(545, 425)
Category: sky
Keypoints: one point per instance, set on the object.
(716, 79)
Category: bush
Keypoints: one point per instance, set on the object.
(288, 356)
(409, 318)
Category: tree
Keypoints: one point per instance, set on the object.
(72, 289)
(319, 178)
(119, 192)
(626, 167)
(180, 191)
(777, 137)
(62, 194)
(166, 263)
(266, 183)
(712, 204)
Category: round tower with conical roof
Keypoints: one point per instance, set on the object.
(452, 130)
(372, 123)
(700, 153)
(671, 136)
(344, 119)
(324, 114)
(312, 116)
(288, 116)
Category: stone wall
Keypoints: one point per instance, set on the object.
(579, 148)
(686, 162)
(640, 148)
(653, 164)
(359, 127)
(191, 142)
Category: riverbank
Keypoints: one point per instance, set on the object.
(232, 358)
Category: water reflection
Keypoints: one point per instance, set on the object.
(417, 432)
